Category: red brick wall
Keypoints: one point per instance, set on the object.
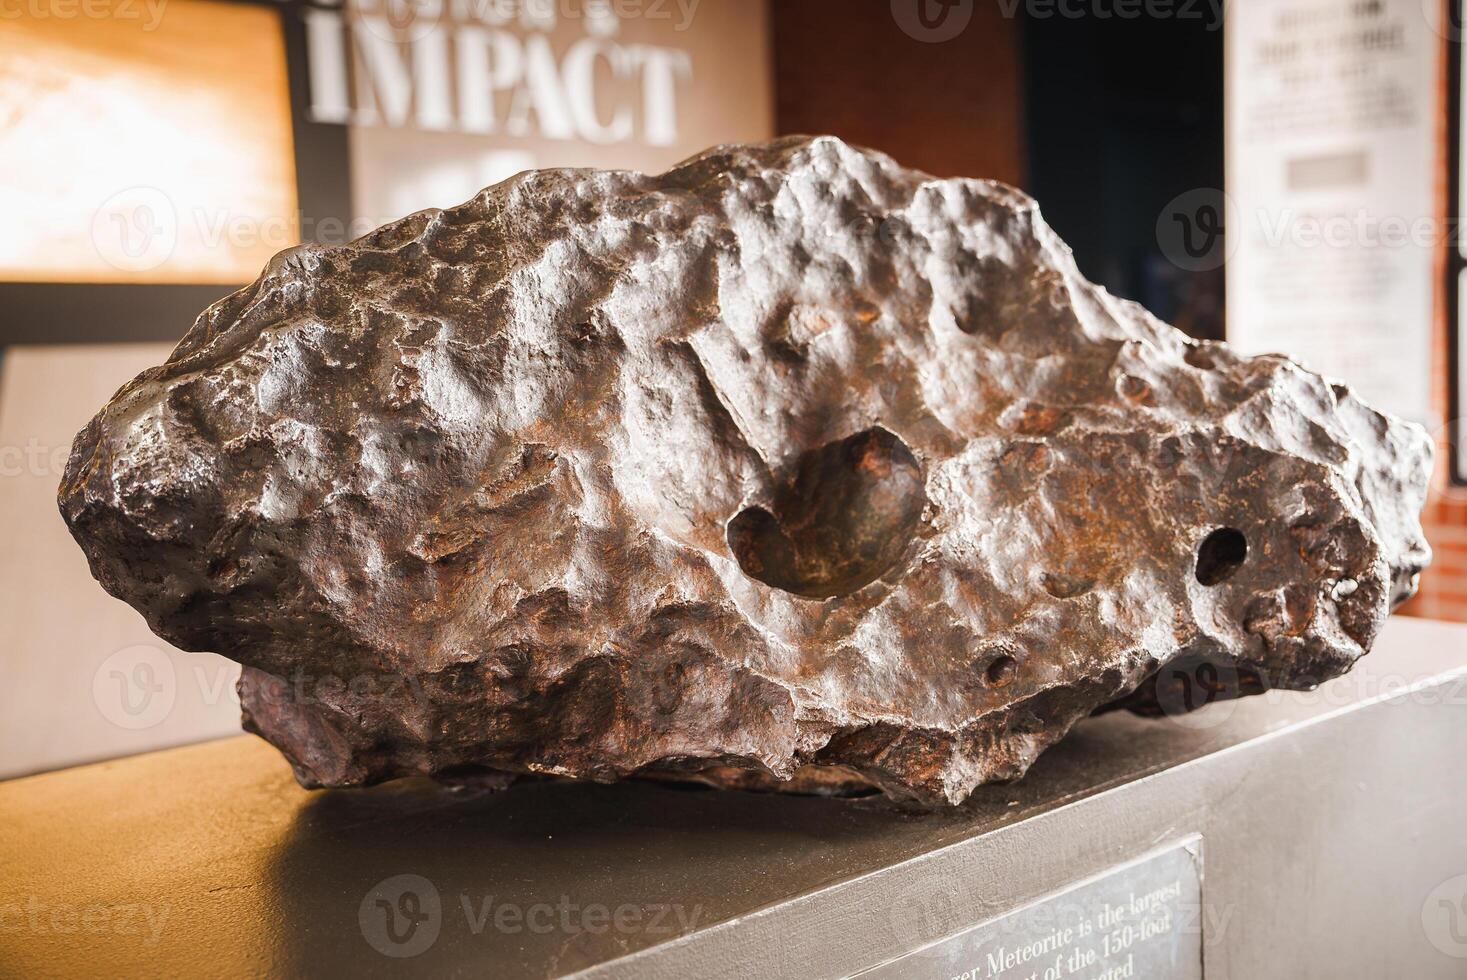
(1443, 592)
(953, 108)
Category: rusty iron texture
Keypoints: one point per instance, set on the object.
(790, 466)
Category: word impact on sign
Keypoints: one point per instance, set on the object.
(469, 66)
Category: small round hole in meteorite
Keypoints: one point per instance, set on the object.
(1221, 554)
(841, 520)
(1001, 671)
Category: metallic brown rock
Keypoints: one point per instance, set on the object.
(786, 458)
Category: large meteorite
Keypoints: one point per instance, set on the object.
(789, 457)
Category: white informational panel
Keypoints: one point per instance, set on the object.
(1332, 121)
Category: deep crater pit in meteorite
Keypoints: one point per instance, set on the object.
(1220, 555)
(840, 522)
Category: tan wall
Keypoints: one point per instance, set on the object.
(84, 678)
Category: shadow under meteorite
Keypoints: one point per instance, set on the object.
(546, 878)
(555, 876)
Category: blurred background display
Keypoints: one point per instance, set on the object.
(1333, 260)
(1280, 176)
(131, 152)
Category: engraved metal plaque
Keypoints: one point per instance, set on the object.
(1137, 921)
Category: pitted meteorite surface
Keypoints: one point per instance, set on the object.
(787, 457)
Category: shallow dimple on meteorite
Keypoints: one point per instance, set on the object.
(787, 468)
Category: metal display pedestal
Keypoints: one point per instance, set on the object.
(1324, 833)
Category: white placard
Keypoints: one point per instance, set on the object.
(1332, 116)
(1140, 919)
